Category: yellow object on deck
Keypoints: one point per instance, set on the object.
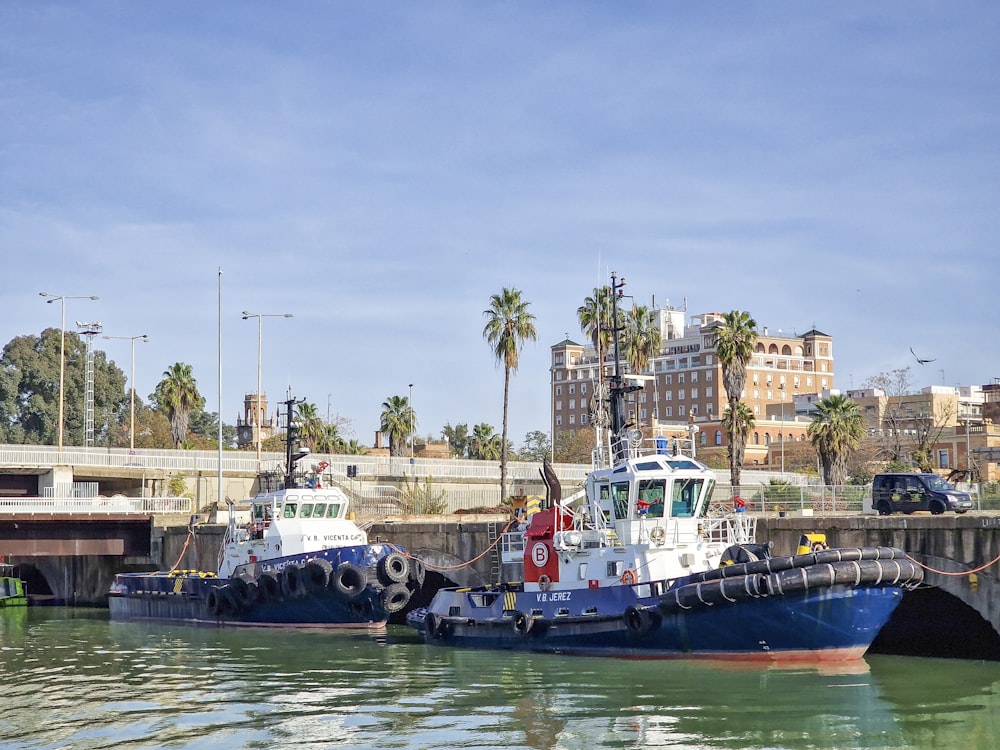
(811, 543)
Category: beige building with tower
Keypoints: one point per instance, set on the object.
(683, 385)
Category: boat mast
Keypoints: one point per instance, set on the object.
(617, 389)
(291, 436)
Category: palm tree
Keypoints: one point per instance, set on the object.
(596, 316)
(177, 394)
(311, 426)
(484, 444)
(737, 423)
(398, 421)
(641, 339)
(508, 326)
(734, 343)
(330, 440)
(835, 433)
(354, 448)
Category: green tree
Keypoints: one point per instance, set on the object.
(536, 446)
(354, 448)
(398, 421)
(205, 424)
(641, 339)
(737, 423)
(177, 396)
(836, 432)
(458, 439)
(735, 338)
(596, 317)
(575, 446)
(508, 326)
(311, 426)
(484, 444)
(29, 390)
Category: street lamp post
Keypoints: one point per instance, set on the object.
(131, 422)
(412, 420)
(62, 351)
(257, 406)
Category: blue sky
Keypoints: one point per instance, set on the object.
(380, 169)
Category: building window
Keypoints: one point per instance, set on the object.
(680, 395)
(680, 377)
(572, 403)
(943, 459)
(583, 389)
(558, 405)
(756, 438)
(668, 379)
(583, 419)
(669, 411)
(694, 409)
(694, 377)
(572, 389)
(572, 419)
(558, 421)
(558, 390)
(708, 392)
(694, 393)
(718, 437)
(583, 403)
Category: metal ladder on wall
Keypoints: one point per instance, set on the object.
(493, 533)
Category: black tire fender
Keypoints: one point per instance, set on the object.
(349, 580)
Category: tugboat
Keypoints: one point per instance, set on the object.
(301, 561)
(639, 564)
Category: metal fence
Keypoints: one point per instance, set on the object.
(95, 506)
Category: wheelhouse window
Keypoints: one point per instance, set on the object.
(290, 509)
(619, 496)
(685, 497)
(651, 495)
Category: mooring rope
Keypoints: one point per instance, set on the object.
(955, 573)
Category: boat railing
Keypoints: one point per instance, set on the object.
(736, 528)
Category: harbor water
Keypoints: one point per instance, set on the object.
(73, 679)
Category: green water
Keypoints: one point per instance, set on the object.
(72, 679)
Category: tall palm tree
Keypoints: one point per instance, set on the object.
(398, 421)
(735, 338)
(835, 433)
(737, 423)
(311, 425)
(177, 394)
(508, 326)
(641, 339)
(330, 440)
(353, 448)
(596, 316)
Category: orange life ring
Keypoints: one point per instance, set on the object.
(629, 577)
(544, 582)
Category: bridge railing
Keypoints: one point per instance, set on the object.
(117, 505)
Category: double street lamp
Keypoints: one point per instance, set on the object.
(131, 428)
(62, 351)
(257, 406)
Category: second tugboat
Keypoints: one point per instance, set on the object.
(639, 565)
(300, 562)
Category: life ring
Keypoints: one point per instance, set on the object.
(544, 582)
(349, 580)
(658, 534)
(394, 597)
(393, 568)
(630, 578)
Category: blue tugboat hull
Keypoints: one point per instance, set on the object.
(337, 588)
(788, 609)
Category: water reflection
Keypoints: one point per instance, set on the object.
(79, 681)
